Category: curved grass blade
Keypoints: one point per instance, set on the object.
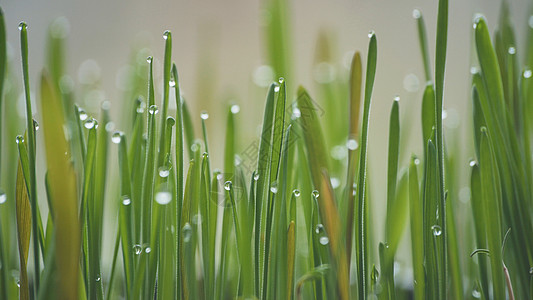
(356, 79)
(361, 200)
(3, 70)
(63, 190)
(430, 206)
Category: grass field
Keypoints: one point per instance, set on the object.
(282, 217)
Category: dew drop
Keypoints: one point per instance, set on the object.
(3, 196)
(140, 108)
(164, 171)
(352, 144)
(474, 70)
(335, 182)
(276, 88)
(416, 14)
(235, 109)
(116, 137)
(35, 125)
(527, 73)
(296, 193)
(324, 240)
(153, 109)
(296, 113)
(98, 279)
(187, 232)
(256, 176)
(274, 187)
(204, 115)
(172, 83)
(417, 161)
(20, 139)
(195, 147)
(437, 230)
(511, 50)
(149, 59)
(126, 200)
(147, 250)
(137, 249)
(371, 33)
(319, 228)
(472, 162)
(227, 185)
(82, 113)
(315, 193)
(476, 294)
(163, 197)
(90, 123)
(166, 34)
(22, 25)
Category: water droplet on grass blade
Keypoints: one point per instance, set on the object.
(147, 250)
(274, 187)
(166, 34)
(163, 197)
(527, 73)
(352, 144)
(296, 193)
(117, 137)
(153, 109)
(3, 196)
(335, 182)
(227, 185)
(371, 33)
(22, 25)
(164, 171)
(90, 123)
(204, 115)
(98, 279)
(324, 240)
(149, 59)
(416, 14)
(19, 139)
(437, 230)
(126, 200)
(256, 176)
(472, 162)
(172, 83)
(315, 193)
(82, 113)
(511, 50)
(35, 125)
(187, 232)
(109, 126)
(137, 249)
(476, 294)
(235, 109)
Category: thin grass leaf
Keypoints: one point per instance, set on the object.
(3, 69)
(166, 86)
(422, 39)
(361, 200)
(63, 190)
(417, 230)
(492, 206)
(31, 150)
(23, 210)
(356, 79)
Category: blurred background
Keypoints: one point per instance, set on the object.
(220, 50)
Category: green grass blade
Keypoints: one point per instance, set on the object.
(440, 65)
(31, 150)
(479, 225)
(262, 184)
(277, 36)
(356, 79)
(166, 86)
(491, 193)
(361, 185)
(417, 230)
(422, 39)
(63, 190)
(3, 70)
(23, 210)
